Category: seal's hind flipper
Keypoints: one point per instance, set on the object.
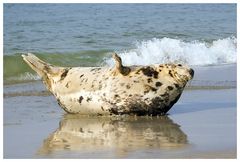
(45, 70)
(119, 68)
(40, 66)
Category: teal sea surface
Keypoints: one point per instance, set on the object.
(88, 34)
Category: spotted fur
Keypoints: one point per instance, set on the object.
(138, 90)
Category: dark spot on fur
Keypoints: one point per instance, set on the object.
(116, 96)
(155, 75)
(176, 85)
(170, 73)
(89, 99)
(104, 94)
(102, 108)
(130, 95)
(136, 81)
(179, 64)
(46, 68)
(95, 69)
(67, 85)
(137, 72)
(149, 80)
(165, 94)
(153, 89)
(157, 106)
(170, 88)
(161, 66)
(148, 88)
(121, 84)
(157, 100)
(128, 86)
(81, 75)
(81, 130)
(158, 84)
(114, 110)
(146, 91)
(80, 99)
(64, 74)
(150, 72)
(98, 114)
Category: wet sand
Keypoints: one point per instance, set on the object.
(198, 126)
(202, 124)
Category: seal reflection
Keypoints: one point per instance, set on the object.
(121, 134)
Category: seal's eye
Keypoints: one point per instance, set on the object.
(179, 64)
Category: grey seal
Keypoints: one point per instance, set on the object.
(137, 90)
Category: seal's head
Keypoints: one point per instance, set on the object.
(178, 72)
(183, 73)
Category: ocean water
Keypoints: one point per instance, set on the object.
(142, 34)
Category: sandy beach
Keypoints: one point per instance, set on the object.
(201, 125)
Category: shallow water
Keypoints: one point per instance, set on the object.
(38, 128)
(202, 124)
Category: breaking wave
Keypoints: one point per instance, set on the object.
(154, 51)
(168, 50)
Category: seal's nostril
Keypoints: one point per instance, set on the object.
(191, 71)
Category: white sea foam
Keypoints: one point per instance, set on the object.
(22, 78)
(28, 76)
(25, 77)
(167, 50)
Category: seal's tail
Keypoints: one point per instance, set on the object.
(45, 70)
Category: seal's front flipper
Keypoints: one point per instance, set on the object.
(119, 68)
